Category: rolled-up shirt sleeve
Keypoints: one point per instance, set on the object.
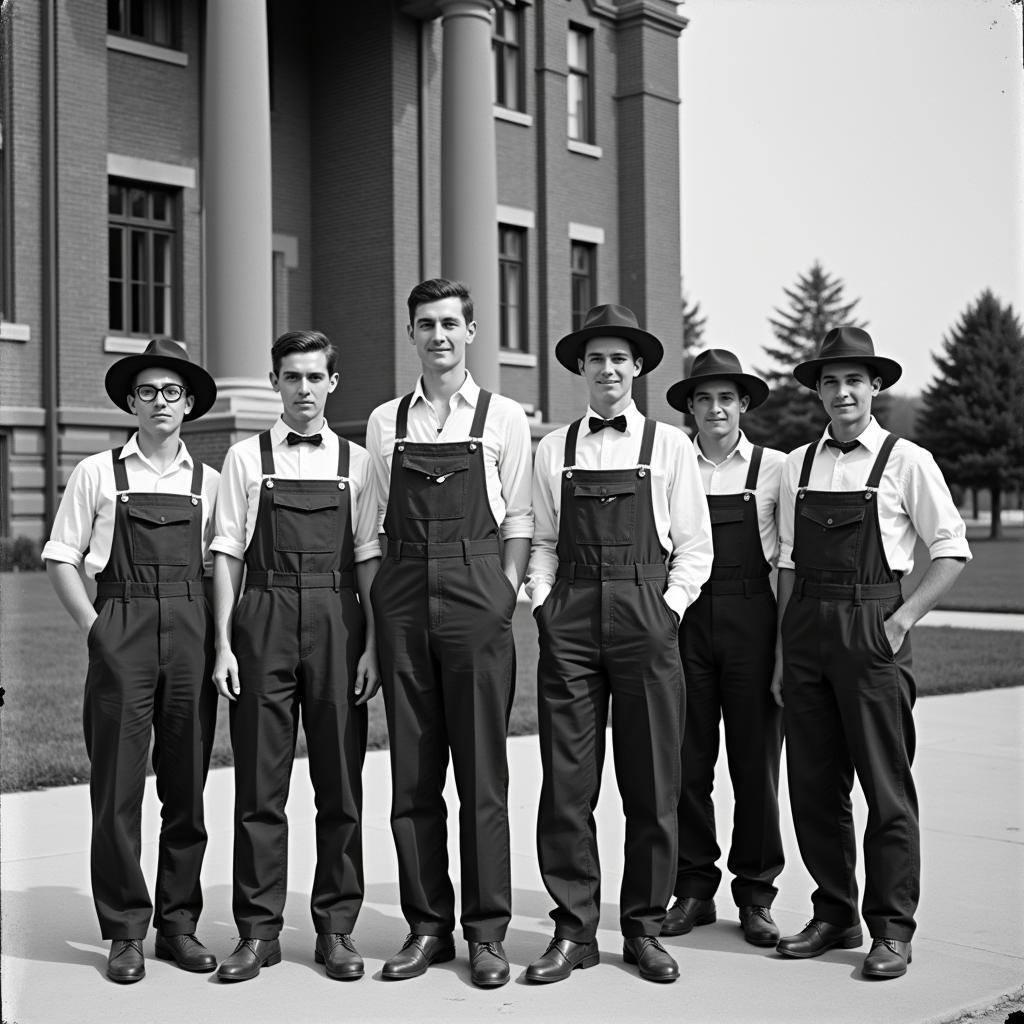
(689, 529)
(514, 463)
(232, 508)
(787, 506)
(931, 509)
(364, 525)
(72, 526)
(543, 555)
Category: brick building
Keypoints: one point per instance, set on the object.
(220, 171)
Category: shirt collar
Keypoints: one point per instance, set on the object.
(280, 430)
(634, 417)
(870, 437)
(743, 450)
(469, 392)
(131, 447)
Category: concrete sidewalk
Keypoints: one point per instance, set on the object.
(968, 952)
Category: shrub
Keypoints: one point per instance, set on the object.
(20, 554)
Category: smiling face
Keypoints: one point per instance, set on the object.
(440, 334)
(160, 418)
(609, 367)
(304, 384)
(846, 391)
(716, 406)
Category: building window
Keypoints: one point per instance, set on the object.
(151, 21)
(509, 61)
(142, 259)
(581, 85)
(583, 259)
(512, 288)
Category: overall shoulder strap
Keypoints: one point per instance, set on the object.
(402, 417)
(570, 444)
(120, 473)
(805, 470)
(755, 468)
(266, 454)
(647, 442)
(480, 416)
(344, 456)
(197, 479)
(883, 457)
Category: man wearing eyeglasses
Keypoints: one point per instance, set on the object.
(138, 519)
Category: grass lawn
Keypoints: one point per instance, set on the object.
(43, 662)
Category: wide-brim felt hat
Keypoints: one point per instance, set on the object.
(847, 345)
(717, 364)
(162, 352)
(609, 321)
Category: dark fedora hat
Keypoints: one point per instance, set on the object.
(609, 321)
(847, 345)
(169, 355)
(717, 364)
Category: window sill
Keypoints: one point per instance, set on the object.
(506, 357)
(125, 345)
(513, 116)
(14, 332)
(585, 149)
(140, 49)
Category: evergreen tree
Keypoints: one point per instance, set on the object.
(693, 332)
(973, 417)
(794, 414)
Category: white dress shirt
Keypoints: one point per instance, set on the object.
(83, 529)
(913, 499)
(506, 444)
(730, 476)
(243, 474)
(680, 508)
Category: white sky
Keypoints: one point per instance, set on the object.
(882, 137)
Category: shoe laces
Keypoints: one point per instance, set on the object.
(333, 939)
(488, 947)
(135, 944)
(649, 940)
(761, 912)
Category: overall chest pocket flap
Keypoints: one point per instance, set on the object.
(720, 516)
(306, 523)
(160, 535)
(830, 519)
(433, 467)
(305, 502)
(604, 491)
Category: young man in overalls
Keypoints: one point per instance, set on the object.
(727, 644)
(852, 505)
(453, 476)
(621, 547)
(298, 512)
(139, 520)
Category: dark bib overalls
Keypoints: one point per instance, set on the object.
(849, 707)
(150, 662)
(443, 607)
(727, 642)
(606, 632)
(298, 633)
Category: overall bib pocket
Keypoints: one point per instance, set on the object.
(305, 523)
(435, 485)
(160, 534)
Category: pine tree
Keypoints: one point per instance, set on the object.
(794, 414)
(693, 332)
(973, 418)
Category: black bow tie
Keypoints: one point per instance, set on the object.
(844, 446)
(314, 439)
(616, 423)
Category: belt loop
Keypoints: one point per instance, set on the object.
(188, 589)
(572, 573)
(465, 550)
(856, 595)
(639, 574)
(800, 588)
(269, 585)
(337, 580)
(746, 589)
(398, 550)
(126, 595)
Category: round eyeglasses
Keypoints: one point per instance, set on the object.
(148, 392)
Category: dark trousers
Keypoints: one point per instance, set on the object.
(149, 675)
(297, 652)
(602, 642)
(849, 708)
(728, 650)
(444, 631)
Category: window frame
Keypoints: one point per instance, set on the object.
(509, 263)
(508, 51)
(583, 76)
(587, 280)
(128, 225)
(119, 21)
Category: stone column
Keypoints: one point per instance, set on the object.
(237, 208)
(469, 173)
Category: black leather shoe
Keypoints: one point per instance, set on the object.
(888, 959)
(339, 956)
(488, 963)
(686, 912)
(758, 927)
(651, 957)
(247, 959)
(186, 951)
(819, 937)
(561, 958)
(126, 962)
(417, 954)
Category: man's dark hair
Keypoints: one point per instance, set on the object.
(440, 288)
(303, 341)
